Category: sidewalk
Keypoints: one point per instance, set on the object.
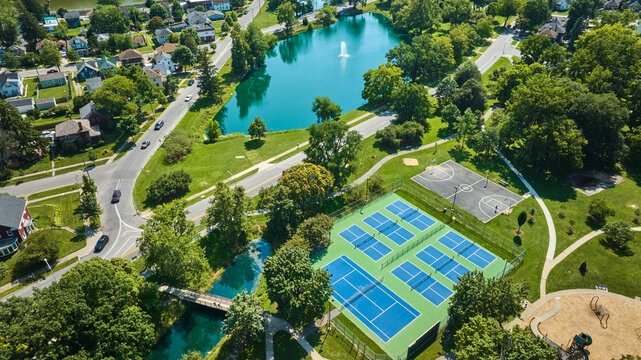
(275, 325)
(53, 170)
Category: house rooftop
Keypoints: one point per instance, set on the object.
(20, 102)
(51, 76)
(138, 38)
(12, 211)
(94, 83)
(45, 101)
(130, 54)
(152, 73)
(75, 126)
(167, 48)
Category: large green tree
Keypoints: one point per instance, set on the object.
(21, 140)
(512, 78)
(284, 214)
(183, 56)
(425, 59)
(292, 282)
(539, 48)
(8, 31)
(333, 146)
(227, 215)
(168, 244)
(114, 94)
(326, 109)
(286, 16)
(457, 11)
(380, 83)
(30, 28)
(309, 184)
(412, 102)
(108, 19)
(257, 128)
(532, 14)
(416, 15)
(211, 85)
(244, 321)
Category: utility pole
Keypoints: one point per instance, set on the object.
(50, 269)
(454, 202)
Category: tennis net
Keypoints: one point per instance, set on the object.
(364, 240)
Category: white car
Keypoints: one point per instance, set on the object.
(188, 97)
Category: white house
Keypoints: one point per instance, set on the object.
(163, 63)
(103, 37)
(219, 5)
(22, 105)
(162, 35)
(197, 18)
(563, 5)
(11, 84)
(155, 76)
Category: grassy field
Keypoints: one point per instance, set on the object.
(66, 242)
(501, 63)
(54, 92)
(265, 18)
(620, 273)
(55, 191)
(58, 211)
(111, 143)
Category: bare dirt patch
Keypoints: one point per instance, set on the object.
(593, 182)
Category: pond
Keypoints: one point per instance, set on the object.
(325, 62)
(201, 329)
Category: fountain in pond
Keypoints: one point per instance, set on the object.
(344, 53)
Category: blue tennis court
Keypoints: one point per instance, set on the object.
(418, 280)
(442, 263)
(411, 215)
(389, 228)
(478, 256)
(379, 308)
(365, 242)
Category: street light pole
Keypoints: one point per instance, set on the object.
(50, 269)
(454, 202)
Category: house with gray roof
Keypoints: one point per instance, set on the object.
(72, 133)
(17, 50)
(80, 45)
(162, 35)
(105, 63)
(103, 37)
(46, 103)
(15, 224)
(93, 84)
(86, 69)
(197, 18)
(22, 105)
(52, 79)
(73, 19)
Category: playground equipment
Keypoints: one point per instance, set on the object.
(600, 311)
(579, 342)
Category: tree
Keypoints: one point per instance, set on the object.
(618, 235)
(601, 119)
(189, 38)
(326, 15)
(300, 290)
(285, 15)
(539, 48)
(582, 10)
(257, 128)
(512, 78)
(169, 247)
(213, 131)
(31, 30)
(450, 115)
(416, 16)
(192, 355)
(244, 321)
(498, 298)
(380, 83)
(521, 220)
(633, 142)
(114, 94)
(283, 216)
(25, 141)
(10, 61)
(505, 8)
(308, 184)
(532, 14)
(613, 47)
(155, 23)
(183, 56)
(334, 147)
(158, 10)
(457, 11)
(109, 2)
(226, 215)
(313, 233)
(257, 46)
(211, 86)
(483, 338)
(462, 38)
(168, 186)
(41, 245)
(425, 59)
(177, 10)
(466, 125)
(485, 28)
(599, 211)
(325, 109)
(89, 206)
(467, 71)
(108, 19)
(411, 102)
(128, 125)
(240, 51)
(171, 86)
(471, 95)
(445, 89)
(72, 56)
(88, 185)
(8, 31)
(401, 135)
(177, 145)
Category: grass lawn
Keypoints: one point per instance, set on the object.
(111, 143)
(501, 63)
(58, 211)
(569, 207)
(380, 7)
(265, 18)
(31, 85)
(55, 92)
(66, 242)
(56, 191)
(620, 273)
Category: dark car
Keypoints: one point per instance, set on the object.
(102, 242)
(115, 197)
(159, 124)
(52, 71)
(190, 82)
(199, 82)
(145, 144)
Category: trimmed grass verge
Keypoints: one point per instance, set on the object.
(56, 191)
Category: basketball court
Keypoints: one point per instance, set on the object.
(468, 190)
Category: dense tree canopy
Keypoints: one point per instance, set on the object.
(19, 141)
(326, 109)
(411, 102)
(309, 184)
(333, 146)
(114, 94)
(108, 19)
(380, 83)
(416, 15)
(244, 322)
(226, 215)
(425, 59)
(533, 13)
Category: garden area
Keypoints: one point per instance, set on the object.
(57, 212)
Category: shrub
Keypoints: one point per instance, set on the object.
(39, 246)
(376, 182)
(635, 221)
(397, 136)
(570, 230)
(305, 21)
(618, 234)
(168, 186)
(177, 146)
(599, 211)
(561, 214)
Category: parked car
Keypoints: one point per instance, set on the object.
(199, 82)
(159, 124)
(102, 242)
(51, 71)
(190, 82)
(115, 197)
(188, 97)
(145, 144)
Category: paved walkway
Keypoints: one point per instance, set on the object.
(54, 196)
(274, 325)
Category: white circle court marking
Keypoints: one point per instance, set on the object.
(465, 188)
(493, 205)
(442, 172)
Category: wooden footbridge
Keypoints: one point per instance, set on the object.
(207, 300)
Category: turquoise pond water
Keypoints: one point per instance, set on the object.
(201, 329)
(308, 65)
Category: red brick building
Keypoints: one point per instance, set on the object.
(15, 224)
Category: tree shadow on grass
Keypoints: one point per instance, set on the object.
(254, 144)
(444, 132)
(460, 154)
(624, 251)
